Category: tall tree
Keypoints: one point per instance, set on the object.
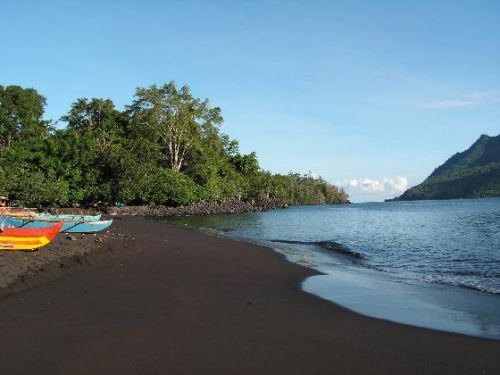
(97, 116)
(88, 114)
(176, 118)
(21, 112)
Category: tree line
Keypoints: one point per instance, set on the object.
(165, 148)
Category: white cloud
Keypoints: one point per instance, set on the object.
(373, 189)
(483, 95)
(446, 104)
(469, 100)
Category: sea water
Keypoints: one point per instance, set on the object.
(433, 264)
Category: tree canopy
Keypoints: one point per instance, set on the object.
(165, 148)
(174, 117)
(21, 112)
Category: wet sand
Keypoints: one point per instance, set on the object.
(176, 301)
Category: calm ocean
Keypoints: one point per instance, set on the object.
(434, 264)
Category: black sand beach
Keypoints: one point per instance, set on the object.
(175, 301)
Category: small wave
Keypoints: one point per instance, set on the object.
(470, 273)
(226, 230)
(327, 245)
(466, 284)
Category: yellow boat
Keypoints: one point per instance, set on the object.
(27, 238)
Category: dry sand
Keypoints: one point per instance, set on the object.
(66, 251)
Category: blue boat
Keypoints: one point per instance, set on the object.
(69, 217)
(68, 227)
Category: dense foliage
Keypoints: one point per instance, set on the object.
(474, 173)
(165, 148)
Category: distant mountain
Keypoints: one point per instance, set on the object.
(474, 173)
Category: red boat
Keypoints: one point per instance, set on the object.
(27, 238)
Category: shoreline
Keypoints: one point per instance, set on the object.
(178, 300)
(439, 307)
(442, 308)
(459, 299)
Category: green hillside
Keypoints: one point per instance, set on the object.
(474, 173)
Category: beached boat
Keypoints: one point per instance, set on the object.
(68, 227)
(69, 217)
(26, 238)
(17, 212)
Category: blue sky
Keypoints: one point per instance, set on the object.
(372, 95)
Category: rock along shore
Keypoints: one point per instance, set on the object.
(229, 206)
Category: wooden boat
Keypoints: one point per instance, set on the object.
(68, 227)
(69, 217)
(26, 238)
(17, 212)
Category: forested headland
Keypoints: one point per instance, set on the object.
(165, 148)
(473, 173)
